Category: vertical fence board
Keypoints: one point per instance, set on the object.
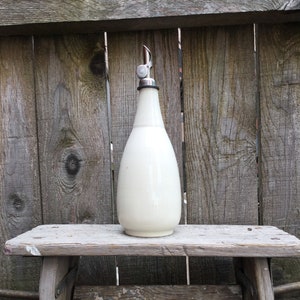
(279, 48)
(125, 53)
(20, 207)
(220, 131)
(73, 137)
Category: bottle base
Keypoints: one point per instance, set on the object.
(148, 233)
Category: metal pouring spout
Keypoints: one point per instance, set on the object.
(143, 71)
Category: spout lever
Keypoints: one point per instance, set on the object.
(143, 71)
(147, 57)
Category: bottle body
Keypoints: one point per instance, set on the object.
(149, 193)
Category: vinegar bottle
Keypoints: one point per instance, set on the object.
(148, 192)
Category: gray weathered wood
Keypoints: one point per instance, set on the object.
(73, 129)
(20, 206)
(220, 118)
(158, 292)
(73, 133)
(286, 288)
(280, 135)
(187, 240)
(53, 271)
(19, 294)
(257, 270)
(62, 16)
(220, 133)
(125, 54)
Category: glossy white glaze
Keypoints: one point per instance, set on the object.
(149, 193)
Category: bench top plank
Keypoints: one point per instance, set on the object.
(187, 240)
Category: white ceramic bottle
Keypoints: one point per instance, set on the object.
(148, 193)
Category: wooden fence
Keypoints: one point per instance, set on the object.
(237, 106)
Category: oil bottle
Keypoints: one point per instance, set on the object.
(148, 191)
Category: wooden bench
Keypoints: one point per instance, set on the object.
(62, 245)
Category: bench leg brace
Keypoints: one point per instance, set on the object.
(57, 278)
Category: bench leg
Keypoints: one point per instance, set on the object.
(255, 276)
(57, 278)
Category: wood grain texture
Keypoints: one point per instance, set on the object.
(280, 135)
(220, 117)
(187, 240)
(279, 48)
(20, 205)
(73, 132)
(258, 272)
(80, 15)
(125, 54)
(158, 292)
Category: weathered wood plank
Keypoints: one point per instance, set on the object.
(73, 130)
(20, 205)
(158, 292)
(125, 54)
(187, 240)
(279, 48)
(220, 133)
(62, 16)
(220, 118)
(280, 135)
(73, 133)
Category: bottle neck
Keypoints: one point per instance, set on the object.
(148, 110)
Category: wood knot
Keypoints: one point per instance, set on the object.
(86, 218)
(72, 164)
(17, 203)
(97, 65)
